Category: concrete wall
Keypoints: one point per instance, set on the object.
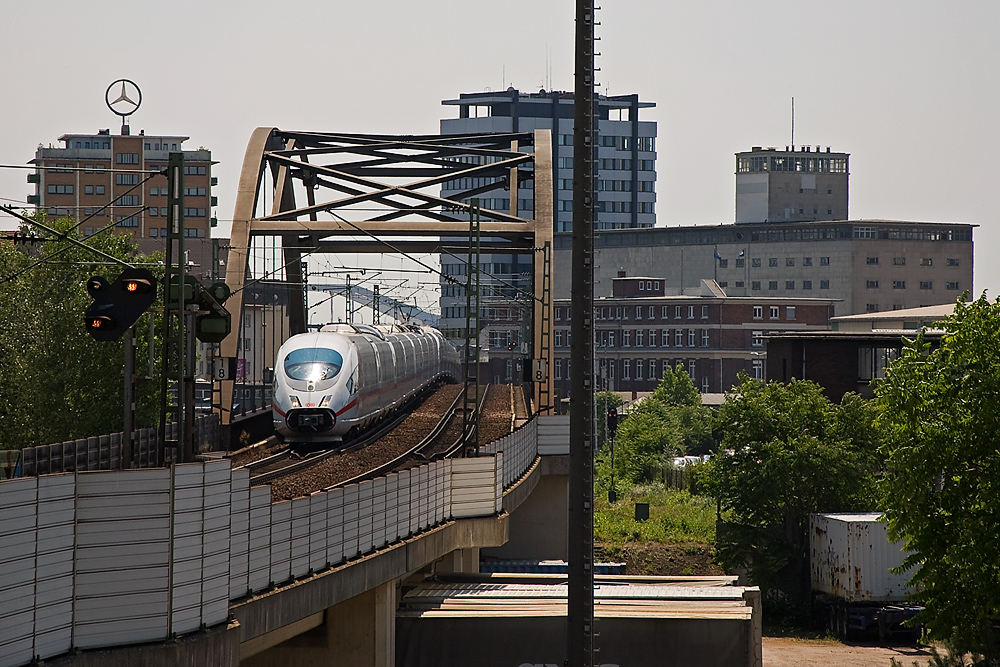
(538, 527)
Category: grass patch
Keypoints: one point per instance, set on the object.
(674, 517)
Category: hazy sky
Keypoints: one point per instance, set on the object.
(908, 87)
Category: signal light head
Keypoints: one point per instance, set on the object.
(100, 322)
(96, 285)
(137, 285)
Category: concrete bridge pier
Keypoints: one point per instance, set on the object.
(358, 631)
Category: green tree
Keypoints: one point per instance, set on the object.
(940, 411)
(789, 452)
(668, 423)
(676, 388)
(58, 383)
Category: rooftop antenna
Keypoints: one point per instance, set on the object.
(793, 124)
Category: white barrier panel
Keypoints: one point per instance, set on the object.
(260, 538)
(123, 557)
(351, 521)
(378, 512)
(392, 507)
(319, 504)
(218, 537)
(281, 541)
(301, 510)
(335, 527)
(473, 486)
(553, 435)
(17, 577)
(498, 497)
(239, 539)
(365, 519)
(188, 547)
(54, 565)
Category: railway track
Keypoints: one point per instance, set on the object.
(398, 447)
(290, 460)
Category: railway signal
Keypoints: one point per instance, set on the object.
(214, 321)
(612, 422)
(118, 305)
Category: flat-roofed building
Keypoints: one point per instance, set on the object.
(864, 265)
(789, 185)
(644, 327)
(107, 181)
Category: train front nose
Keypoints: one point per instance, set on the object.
(310, 420)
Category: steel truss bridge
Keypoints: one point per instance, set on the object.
(302, 193)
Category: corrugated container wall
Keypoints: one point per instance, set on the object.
(851, 557)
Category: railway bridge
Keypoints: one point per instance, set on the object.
(191, 564)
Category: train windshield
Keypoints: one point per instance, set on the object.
(313, 364)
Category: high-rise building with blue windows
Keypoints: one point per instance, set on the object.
(626, 199)
(626, 150)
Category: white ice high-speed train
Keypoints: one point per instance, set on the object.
(347, 375)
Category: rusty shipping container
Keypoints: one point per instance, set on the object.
(851, 557)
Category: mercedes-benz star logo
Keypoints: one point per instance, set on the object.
(128, 99)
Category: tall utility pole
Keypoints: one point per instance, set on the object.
(580, 608)
(178, 326)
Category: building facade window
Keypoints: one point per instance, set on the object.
(824, 284)
(679, 338)
(772, 284)
(775, 312)
(691, 337)
(789, 312)
(871, 284)
(758, 312)
(807, 284)
(926, 284)
(755, 285)
(772, 262)
(953, 285)
(898, 284)
(690, 312)
(824, 261)
(758, 369)
(704, 312)
(871, 261)
(704, 337)
(756, 338)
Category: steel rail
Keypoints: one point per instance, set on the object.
(435, 432)
(363, 440)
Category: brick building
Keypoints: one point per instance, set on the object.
(643, 327)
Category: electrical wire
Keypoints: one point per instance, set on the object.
(63, 235)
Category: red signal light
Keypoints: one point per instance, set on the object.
(100, 322)
(137, 285)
